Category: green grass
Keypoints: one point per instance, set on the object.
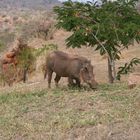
(49, 114)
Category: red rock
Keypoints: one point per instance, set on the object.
(133, 80)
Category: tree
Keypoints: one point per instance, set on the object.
(26, 62)
(28, 56)
(109, 27)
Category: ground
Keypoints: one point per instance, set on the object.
(109, 113)
(31, 111)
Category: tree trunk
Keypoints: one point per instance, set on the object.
(25, 75)
(110, 75)
(114, 70)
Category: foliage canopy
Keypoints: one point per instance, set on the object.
(109, 27)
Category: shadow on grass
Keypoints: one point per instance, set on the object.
(101, 87)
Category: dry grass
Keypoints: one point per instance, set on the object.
(112, 112)
(33, 112)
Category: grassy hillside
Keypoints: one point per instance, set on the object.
(110, 113)
(31, 111)
(27, 3)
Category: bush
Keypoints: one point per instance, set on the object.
(6, 38)
(45, 29)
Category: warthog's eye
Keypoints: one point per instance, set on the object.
(85, 69)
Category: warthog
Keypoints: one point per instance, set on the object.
(72, 66)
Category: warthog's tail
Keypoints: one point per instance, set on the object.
(45, 73)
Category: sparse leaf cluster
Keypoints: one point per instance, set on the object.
(45, 48)
(128, 67)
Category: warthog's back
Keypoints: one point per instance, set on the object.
(64, 56)
(65, 64)
(61, 55)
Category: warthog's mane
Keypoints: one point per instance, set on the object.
(66, 56)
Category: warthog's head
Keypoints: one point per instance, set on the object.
(87, 75)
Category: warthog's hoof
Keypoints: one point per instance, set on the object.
(131, 86)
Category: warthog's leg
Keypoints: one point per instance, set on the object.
(78, 83)
(49, 78)
(57, 78)
(70, 82)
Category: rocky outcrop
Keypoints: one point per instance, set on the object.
(133, 80)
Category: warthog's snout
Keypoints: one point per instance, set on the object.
(88, 76)
(93, 84)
